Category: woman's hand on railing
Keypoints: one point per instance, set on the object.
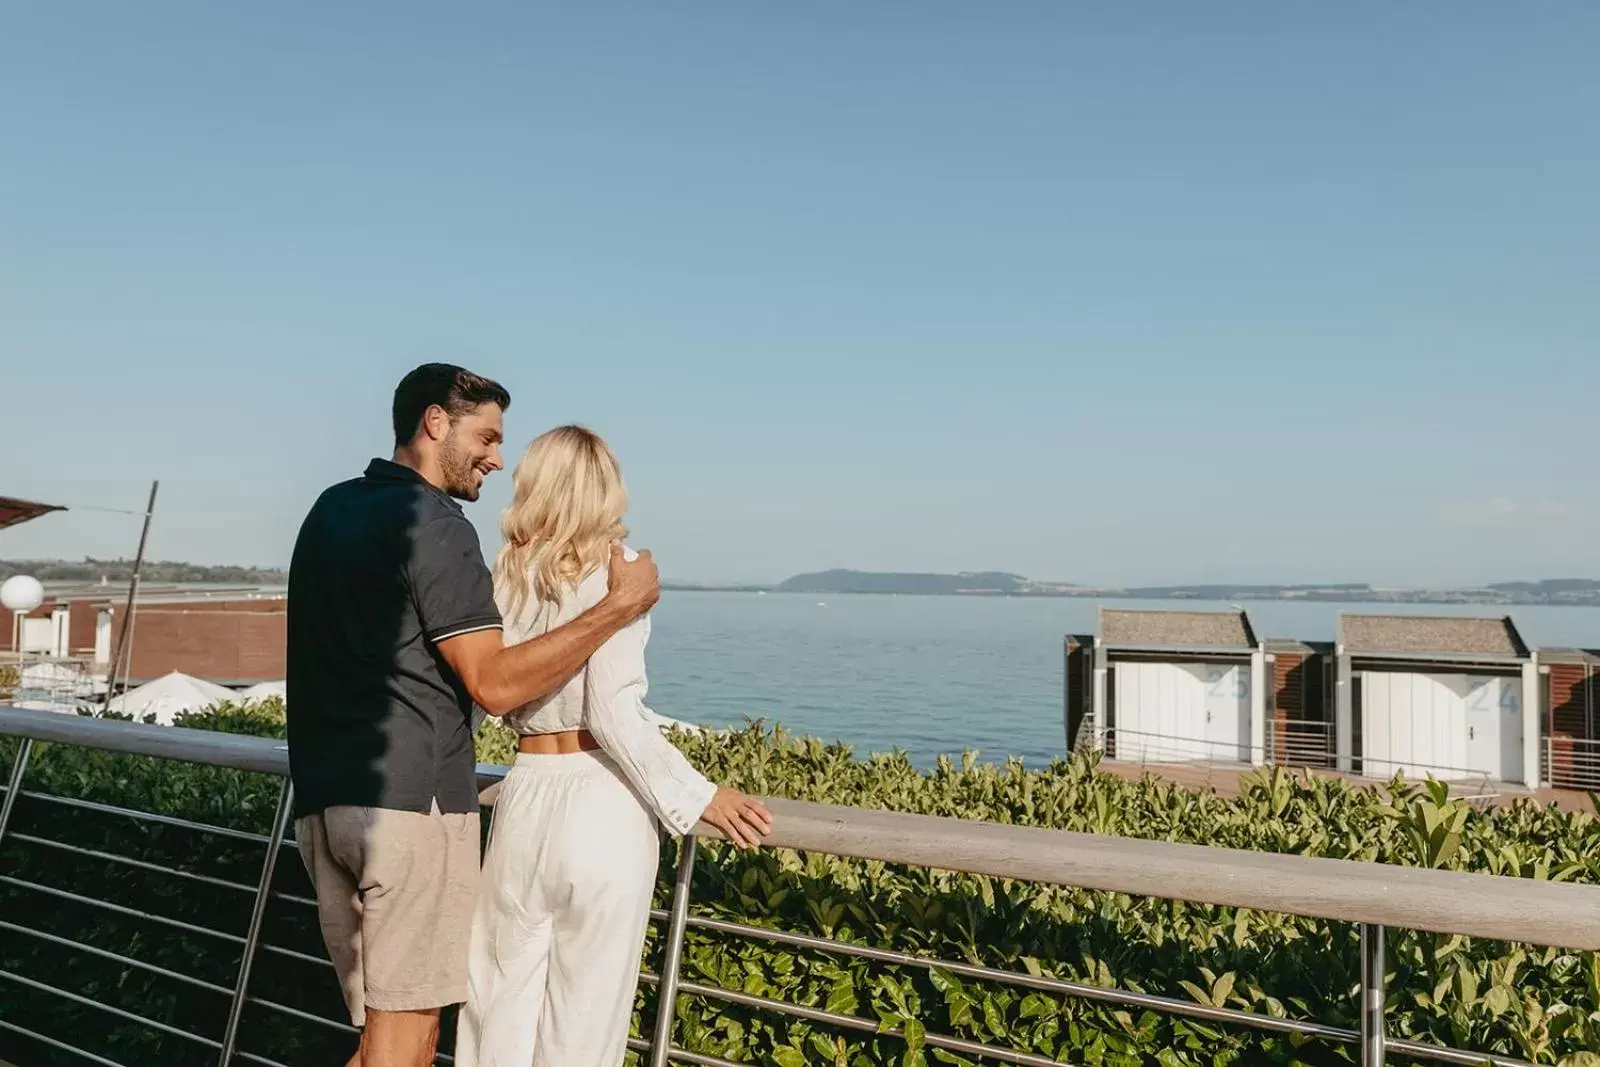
(744, 821)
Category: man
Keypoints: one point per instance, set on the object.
(394, 636)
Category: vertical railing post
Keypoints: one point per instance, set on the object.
(19, 767)
(672, 958)
(1372, 995)
(258, 914)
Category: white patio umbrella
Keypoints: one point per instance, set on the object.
(170, 694)
(263, 690)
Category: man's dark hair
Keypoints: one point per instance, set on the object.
(453, 388)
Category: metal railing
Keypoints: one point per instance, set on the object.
(1147, 747)
(1287, 743)
(52, 683)
(1301, 743)
(1298, 743)
(1572, 763)
(1375, 897)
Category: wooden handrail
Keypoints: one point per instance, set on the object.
(1451, 902)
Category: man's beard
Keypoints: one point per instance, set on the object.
(460, 479)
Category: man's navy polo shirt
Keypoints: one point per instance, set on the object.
(385, 567)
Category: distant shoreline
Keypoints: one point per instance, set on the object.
(1576, 592)
(1558, 592)
(1421, 597)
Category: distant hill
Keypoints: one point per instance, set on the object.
(1575, 591)
(1552, 587)
(1337, 591)
(155, 571)
(843, 581)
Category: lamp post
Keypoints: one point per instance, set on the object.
(20, 594)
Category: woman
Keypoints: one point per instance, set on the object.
(571, 864)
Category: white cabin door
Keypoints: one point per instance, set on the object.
(1414, 724)
(1494, 728)
(1228, 712)
(1182, 712)
(1161, 713)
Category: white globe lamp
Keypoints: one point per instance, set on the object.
(21, 593)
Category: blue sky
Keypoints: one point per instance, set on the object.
(1089, 292)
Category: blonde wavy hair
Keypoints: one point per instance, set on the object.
(565, 515)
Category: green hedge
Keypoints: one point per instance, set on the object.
(1534, 1003)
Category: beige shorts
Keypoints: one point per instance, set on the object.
(395, 894)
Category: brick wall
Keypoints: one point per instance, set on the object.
(222, 640)
(261, 606)
(242, 641)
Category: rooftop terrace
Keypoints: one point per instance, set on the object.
(693, 970)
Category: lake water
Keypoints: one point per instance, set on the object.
(932, 674)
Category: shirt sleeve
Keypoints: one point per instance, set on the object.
(452, 587)
(613, 698)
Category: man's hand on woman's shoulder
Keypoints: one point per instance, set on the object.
(634, 585)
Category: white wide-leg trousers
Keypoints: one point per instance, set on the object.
(561, 916)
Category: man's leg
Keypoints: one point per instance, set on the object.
(339, 909)
(399, 1039)
(419, 878)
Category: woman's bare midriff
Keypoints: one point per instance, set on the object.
(562, 744)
